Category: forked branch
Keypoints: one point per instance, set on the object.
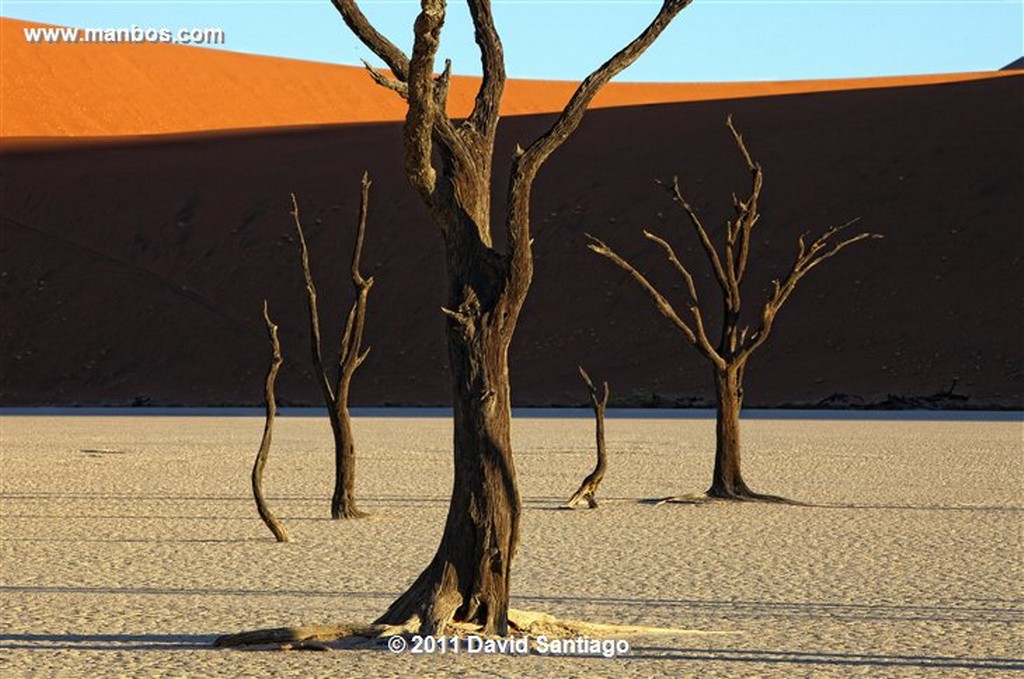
(697, 338)
(702, 234)
(806, 259)
(742, 225)
(352, 353)
(426, 117)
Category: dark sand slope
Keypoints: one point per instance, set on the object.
(133, 272)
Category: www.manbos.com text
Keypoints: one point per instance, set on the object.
(124, 34)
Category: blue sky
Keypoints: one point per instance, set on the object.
(712, 40)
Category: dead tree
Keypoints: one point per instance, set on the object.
(736, 344)
(449, 165)
(350, 356)
(588, 489)
(280, 534)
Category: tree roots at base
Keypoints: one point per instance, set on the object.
(748, 496)
(350, 514)
(374, 636)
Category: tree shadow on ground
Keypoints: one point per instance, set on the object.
(703, 500)
(965, 610)
(199, 591)
(106, 642)
(725, 655)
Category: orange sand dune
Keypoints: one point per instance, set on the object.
(74, 90)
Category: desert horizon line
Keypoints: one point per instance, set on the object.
(218, 46)
(537, 412)
(142, 97)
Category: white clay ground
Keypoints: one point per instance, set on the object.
(129, 560)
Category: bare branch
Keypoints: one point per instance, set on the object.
(462, 319)
(441, 84)
(275, 526)
(702, 234)
(588, 488)
(402, 88)
(314, 316)
(389, 83)
(827, 251)
(807, 258)
(346, 339)
(400, 66)
(593, 390)
(739, 143)
(663, 305)
(590, 385)
(364, 206)
(352, 339)
(746, 222)
(484, 117)
(369, 36)
(451, 144)
(419, 120)
(747, 214)
(676, 263)
(703, 345)
(732, 296)
(526, 165)
(571, 116)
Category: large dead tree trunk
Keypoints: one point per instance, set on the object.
(726, 480)
(275, 526)
(350, 357)
(468, 578)
(729, 357)
(343, 500)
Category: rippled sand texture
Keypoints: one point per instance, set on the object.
(130, 543)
